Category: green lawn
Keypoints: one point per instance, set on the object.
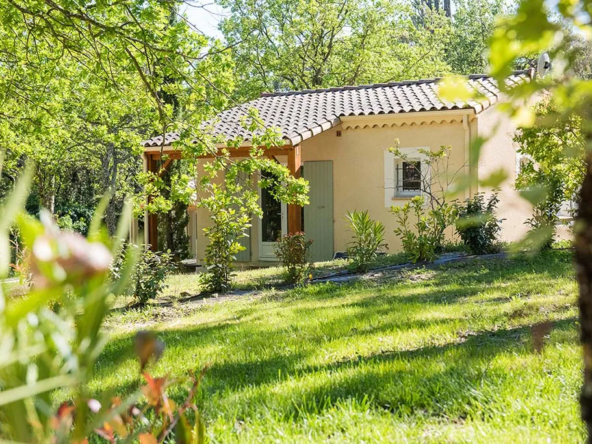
(187, 284)
(434, 356)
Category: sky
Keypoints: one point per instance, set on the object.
(205, 16)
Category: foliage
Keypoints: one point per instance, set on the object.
(423, 236)
(552, 151)
(478, 225)
(293, 252)
(536, 28)
(552, 167)
(432, 210)
(293, 45)
(67, 224)
(367, 239)
(172, 225)
(52, 337)
(81, 87)
(545, 211)
(151, 270)
(222, 249)
(472, 25)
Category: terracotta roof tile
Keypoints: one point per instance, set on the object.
(302, 114)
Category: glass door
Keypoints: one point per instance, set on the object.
(272, 226)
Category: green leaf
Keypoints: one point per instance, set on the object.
(183, 430)
(495, 179)
(16, 200)
(94, 231)
(25, 391)
(455, 89)
(122, 227)
(535, 193)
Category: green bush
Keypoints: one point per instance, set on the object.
(478, 226)
(422, 240)
(221, 252)
(545, 211)
(368, 239)
(150, 272)
(293, 251)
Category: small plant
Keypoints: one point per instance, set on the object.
(148, 278)
(368, 239)
(478, 226)
(293, 251)
(425, 238)
(220, 254)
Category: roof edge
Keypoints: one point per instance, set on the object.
(530, 72)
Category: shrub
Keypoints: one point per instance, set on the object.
(478, 226)
(545, 211)
(368, 239)
(48, 350)
(148, 277)
(293, 251)
(425, 238)
(221, 252)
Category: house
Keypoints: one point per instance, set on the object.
(338, 139)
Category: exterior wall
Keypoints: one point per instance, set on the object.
(500, 152)
(359, 162)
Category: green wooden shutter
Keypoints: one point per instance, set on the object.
(245, 255)
(318, 215)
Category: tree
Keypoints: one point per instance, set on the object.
(431, 209)
(552, 160)
(421, 7)
(231, 202)
(294, 44)
(82, 86)
(472, 26)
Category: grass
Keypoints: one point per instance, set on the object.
(429, 356)
(184, 285)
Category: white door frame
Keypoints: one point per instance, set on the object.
(266, 249)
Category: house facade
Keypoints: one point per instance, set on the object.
(339, 138)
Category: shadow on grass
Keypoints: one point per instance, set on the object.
(452, 380)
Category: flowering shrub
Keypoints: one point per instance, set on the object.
(293, 251)
(424, 238)
(478, 226)
(44, 350)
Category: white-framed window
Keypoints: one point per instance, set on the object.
(409, 179)
(404, 177)
(567, 210)
(521, 161)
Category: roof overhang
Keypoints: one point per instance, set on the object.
(409, 119)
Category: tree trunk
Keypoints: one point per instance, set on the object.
(47, 193)
(583, 248)
(110, 166)
(447, 9)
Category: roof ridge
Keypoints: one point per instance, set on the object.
(382, 85)
(300, 115)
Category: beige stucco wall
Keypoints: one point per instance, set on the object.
(500, 152)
